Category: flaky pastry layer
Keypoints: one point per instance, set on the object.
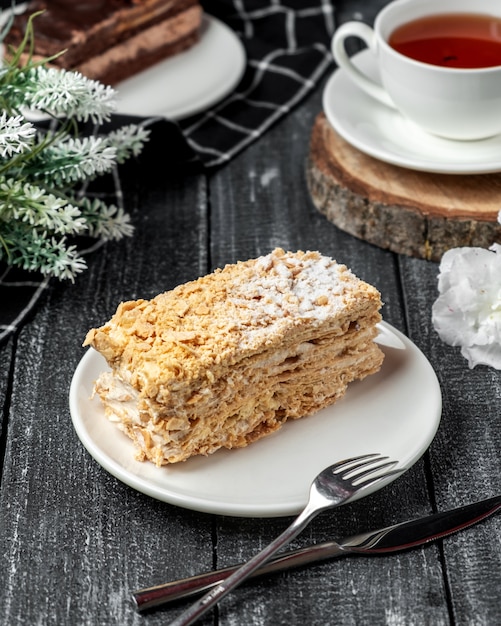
(227, 359)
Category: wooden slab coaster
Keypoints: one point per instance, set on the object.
(414, 213)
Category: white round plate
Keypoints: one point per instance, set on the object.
(188, 82)
(385, 134)
(395, 412)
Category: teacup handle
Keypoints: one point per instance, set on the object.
(367, 34)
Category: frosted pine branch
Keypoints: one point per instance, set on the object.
(128, 141)
(34, 206)
(40, 205)
(16, 135)
(71, 160)
(35, 251)
(69, 94)
(106, 221)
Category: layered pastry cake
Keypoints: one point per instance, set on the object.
(109, 40)
(227, 359)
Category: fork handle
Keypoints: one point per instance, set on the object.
(203, 604)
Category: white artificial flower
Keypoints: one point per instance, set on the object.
(80, 158)
(107, 221)
(67, 93)
(16, 135)
(467, 312)
(128, 140)
(62, 261)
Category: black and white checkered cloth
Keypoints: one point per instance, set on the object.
(287, 45)
(287, 48)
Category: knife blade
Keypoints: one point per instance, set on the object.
(401, 536)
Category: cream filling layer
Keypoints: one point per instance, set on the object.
(158, 36)
(246, 403)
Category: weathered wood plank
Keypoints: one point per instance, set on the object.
(75, 540)
(6, 360)
(465, 458)
(267, 200)
(71, 534)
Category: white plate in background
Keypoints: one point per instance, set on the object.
(189, 82)
(181, 85)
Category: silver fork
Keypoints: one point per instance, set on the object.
(333, 486)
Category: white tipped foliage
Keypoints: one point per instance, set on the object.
(43, 168)
(69, 94)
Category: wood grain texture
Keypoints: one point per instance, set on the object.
(74, 540)
(272, 208)
(465, 459)
(415, 213)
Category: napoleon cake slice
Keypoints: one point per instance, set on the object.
(227, 359)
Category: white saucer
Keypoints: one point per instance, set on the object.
(383, 133)
(189, 82)
(395, 412)
(184, 84)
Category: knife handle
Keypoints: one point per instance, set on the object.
(151, 597)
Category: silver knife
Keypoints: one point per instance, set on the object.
(390, 539)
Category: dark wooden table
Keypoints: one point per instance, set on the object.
(75, 541)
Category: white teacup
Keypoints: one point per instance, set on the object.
(454, 103)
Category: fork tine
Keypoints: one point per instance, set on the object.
(328, 490)
(370, 481)
(359, 476)
(357, 461)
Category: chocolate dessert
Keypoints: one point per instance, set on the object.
(108, 40)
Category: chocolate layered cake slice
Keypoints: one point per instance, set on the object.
(229, 358)
(108, 40)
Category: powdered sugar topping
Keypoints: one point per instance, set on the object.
(285, 288)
